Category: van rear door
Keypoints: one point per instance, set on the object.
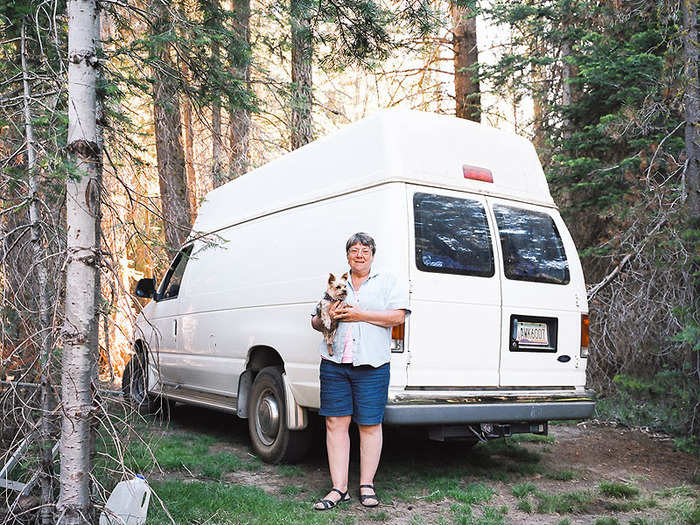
(454, 337)
(541, 294)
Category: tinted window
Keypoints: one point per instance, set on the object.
(532, 247)
(170, 287)
(452, 236)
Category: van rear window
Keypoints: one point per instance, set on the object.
(532, 247)
(452, 236)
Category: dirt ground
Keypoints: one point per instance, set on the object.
(593, 451)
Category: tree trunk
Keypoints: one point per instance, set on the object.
(302, 97)
(38, 252)
(466, 55)
(216, 143)
(191, 173)
(239, 119)
(692, 111)
(82, 207)
(175, 204)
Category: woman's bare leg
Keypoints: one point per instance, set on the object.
(338, 445)
(370, 451)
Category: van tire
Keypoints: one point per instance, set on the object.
(272, 441)
(135, 388)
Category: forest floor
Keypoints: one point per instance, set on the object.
(584, 473)
(202, 470)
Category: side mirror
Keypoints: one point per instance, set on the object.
(146, 288)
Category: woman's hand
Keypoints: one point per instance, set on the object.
(347, 313)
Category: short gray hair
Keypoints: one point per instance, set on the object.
(365, 239)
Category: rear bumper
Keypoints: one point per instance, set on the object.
(423, 407)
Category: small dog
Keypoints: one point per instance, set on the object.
(336, 292)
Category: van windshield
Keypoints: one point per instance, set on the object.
(452, 236)
(532, 247)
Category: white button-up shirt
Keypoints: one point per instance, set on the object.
(371, 343)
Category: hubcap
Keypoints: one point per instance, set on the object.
(267, 420)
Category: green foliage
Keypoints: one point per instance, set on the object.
(664, 402)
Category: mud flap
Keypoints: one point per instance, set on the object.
(297, 418)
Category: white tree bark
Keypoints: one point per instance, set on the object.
(82, 207)
(42, 294)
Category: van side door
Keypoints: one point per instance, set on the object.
(542, 289)
(165, 319)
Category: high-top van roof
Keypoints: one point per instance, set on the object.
(392, 145)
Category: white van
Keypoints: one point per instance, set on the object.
(461, 213)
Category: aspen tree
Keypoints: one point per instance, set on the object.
(41, 276)
(82, 207)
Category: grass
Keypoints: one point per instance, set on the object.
(464, 515)
(561, 475)
(606, 521)
(471, 494)
(290, 471)
(441, 475)
(199, 502)
(683, 491)
(531, 498)
(532, 438)
(379, 516)
(450, 473)
(523, 489)
(630, 505)
(564, 502)
(614, 489)
(184, 453)
(686, 511)
(292, 490)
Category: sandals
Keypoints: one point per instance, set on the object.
(327, 504)
(365, 497)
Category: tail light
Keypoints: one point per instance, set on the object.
(476, 173)
(397, 335)
(585, 336)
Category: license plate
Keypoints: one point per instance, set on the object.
(532, 333)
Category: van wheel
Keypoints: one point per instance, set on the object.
(135, 387)
(135, 380)
(267, 424)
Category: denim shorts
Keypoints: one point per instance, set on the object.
(359, 391)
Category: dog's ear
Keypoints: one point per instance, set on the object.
(344, 276)
(331, 278)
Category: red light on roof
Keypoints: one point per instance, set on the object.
(475, 173)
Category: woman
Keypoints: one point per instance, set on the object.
(355, 379)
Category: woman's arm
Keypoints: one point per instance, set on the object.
(385, 318)
(317, 323)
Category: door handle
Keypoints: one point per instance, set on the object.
(175, 328)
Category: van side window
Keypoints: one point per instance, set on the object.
(452, 236)
(170, 287)
(532, 247)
